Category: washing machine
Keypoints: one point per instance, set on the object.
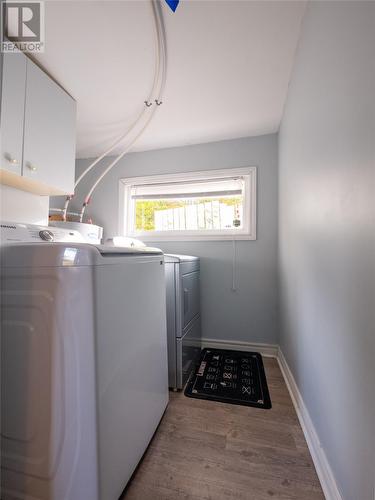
(83, 363)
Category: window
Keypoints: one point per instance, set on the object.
(219, 204)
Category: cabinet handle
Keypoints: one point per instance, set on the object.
(33, 168)
(11, 160)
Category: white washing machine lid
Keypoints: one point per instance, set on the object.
(45, 254)
(108, 250)
(29, 245)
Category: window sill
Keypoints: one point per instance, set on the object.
(217, 237)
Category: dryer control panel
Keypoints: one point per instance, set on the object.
(29, 233)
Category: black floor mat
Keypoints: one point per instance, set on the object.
(235, 377)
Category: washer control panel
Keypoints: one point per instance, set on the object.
(29, 233)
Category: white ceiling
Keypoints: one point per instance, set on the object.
(229, 64)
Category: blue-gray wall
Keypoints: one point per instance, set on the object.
(250, 313)
(327, 228)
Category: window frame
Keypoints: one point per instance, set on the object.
(249, 210)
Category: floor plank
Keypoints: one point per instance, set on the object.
(205, 450)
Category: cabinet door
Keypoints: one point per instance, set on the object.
(12, 111)
(49, 133)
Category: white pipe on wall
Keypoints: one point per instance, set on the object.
(147, 113)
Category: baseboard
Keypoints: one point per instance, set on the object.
(323, 469)
(267, 350)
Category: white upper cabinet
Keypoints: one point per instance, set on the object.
(49, 137)
(12, 111)
(37, 129)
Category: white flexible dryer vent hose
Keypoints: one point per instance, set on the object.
(156, 93)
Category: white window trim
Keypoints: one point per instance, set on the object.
(248, 233)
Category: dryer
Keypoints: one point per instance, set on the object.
(182, 273)
(84, 363)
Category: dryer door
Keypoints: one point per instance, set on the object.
(190, 297)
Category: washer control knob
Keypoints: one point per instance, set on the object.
(46, 235)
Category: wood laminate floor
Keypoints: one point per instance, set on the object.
(214, 451)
